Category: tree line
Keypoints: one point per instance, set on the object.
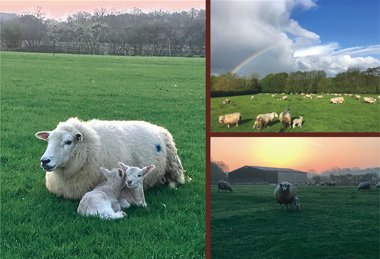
(104, 32)
(354, 80)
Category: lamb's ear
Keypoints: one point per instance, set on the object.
(43, 135)
(105, 171)
(79, 136)
(120, 172)
(124, 167)
(148, 169)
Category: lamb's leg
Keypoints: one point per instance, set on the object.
(124, 203)
(228, 125)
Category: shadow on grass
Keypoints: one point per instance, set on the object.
(245, 121)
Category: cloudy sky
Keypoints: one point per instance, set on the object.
(291, 35)
(60, 9)
(302, 153)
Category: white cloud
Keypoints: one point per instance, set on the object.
(239, 29)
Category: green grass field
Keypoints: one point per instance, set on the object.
(40, 90)
(334, 222)
(318, 114)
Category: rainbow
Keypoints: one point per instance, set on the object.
(257, 54)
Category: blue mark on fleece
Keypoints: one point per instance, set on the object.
(158, 147)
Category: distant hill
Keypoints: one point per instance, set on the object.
(7, 16)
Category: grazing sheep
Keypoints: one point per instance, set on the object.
(298, 122)
(364, 186)
(224, 186)
(285, 193)
(337, 100)
(285, 118)
(296, 202)
(319, 96)
(102, 201)
(308, 95)
(357, 97)
(273, 95)
(378, 98)
(77, 149)
(378, 185)
(252, 97)
(330, 183)
(369, 100)
(228, 119)
(133, 192)
(284, 97)
(263, 120)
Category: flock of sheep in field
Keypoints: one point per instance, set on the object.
(286, 193)
(263, 120)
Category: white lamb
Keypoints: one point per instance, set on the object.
(103, 200)
(133, 192)
(298, 122)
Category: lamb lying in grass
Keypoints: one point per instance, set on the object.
(298, 122)
(133, 192)
(102, 201)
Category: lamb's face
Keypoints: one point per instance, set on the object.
(60, 146)
(275, 114)
(221, 119)
(135, 175)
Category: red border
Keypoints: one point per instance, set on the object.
(208, 83)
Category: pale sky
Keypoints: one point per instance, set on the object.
(300, 153)
(60, 9)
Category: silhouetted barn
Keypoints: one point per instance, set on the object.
(259, 174)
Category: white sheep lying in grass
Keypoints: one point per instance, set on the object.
(77, 149)
(227, 101)
(298, 122)
(133, 192)
(103, 200)
(369, 100)
(285, 193)
(337, 100)
(285, 118)
(228, 119)
(263, 120)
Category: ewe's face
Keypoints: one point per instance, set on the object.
(60, 146)
(285, 187)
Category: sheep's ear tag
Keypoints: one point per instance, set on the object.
(79, 136)
(120, 172)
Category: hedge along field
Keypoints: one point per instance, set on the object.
(334, 222)
(319, 115)
(40, 90)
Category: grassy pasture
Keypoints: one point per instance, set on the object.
(40, 90)
(318, 114)
(334, 222)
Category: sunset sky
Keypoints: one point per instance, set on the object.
(60, 9)
(301, 153)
